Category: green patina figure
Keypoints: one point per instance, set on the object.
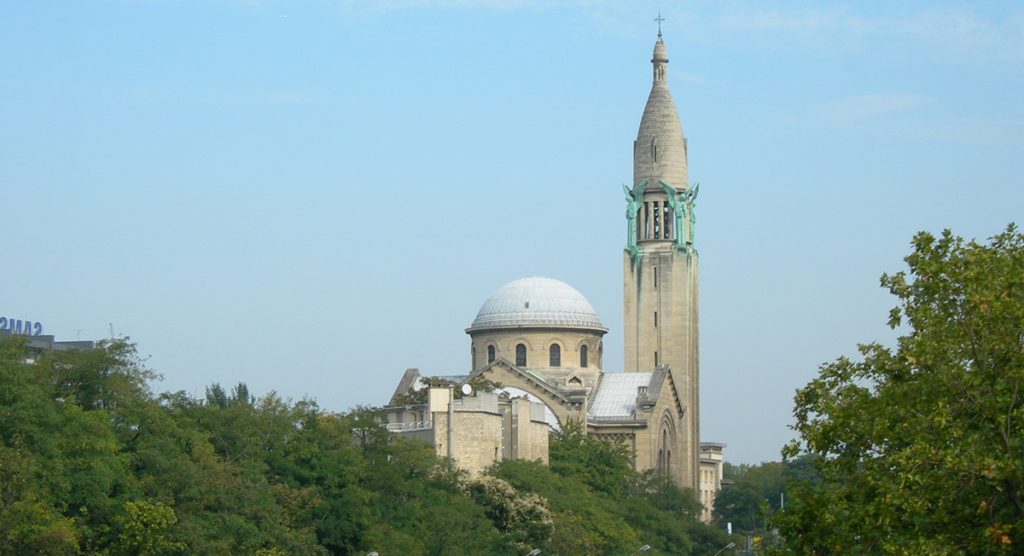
(634, 199)
(690, 196)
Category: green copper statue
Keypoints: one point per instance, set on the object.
(634, 199)
(690, 196)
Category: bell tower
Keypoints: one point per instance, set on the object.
(660, 263)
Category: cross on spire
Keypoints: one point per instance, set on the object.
(659, 19)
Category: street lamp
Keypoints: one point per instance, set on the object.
(724, 548)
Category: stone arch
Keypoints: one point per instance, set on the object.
(668, 443)
(564, 408)
(519, 340)
(554, 353)
(591, 350)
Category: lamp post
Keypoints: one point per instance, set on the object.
(724, 548)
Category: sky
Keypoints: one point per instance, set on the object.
(312, 196)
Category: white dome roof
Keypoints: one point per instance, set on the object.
(536, 301)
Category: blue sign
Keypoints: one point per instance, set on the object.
(25, 327)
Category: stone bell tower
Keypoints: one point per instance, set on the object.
(660, 264)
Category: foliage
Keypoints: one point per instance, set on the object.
(754, 493)
(921, 448)
(601, 464)
(92, 462)
(523, 516)
(600, 505)
(415, 396)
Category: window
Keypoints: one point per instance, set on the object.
(655, 359)
(520, 355)
(655, 277)
(657, 220)
(583, 356)
(655, 319)
(555, 356)
(490, 354)
(472, 352)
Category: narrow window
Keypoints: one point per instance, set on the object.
(647, 221)
(555, 356)
(657, 220)
(490, 354)
(665, 220)
(655, 359)
(472, 352)
(520, 355)
(655, 277)
(583, 357)
(655, 319)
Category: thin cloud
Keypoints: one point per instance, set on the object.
(959, 34)
(863, 109)
(275, 97)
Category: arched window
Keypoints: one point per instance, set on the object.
(664, 447)
(490, 354)
(583, 356)
(555, 356)
(520, 355)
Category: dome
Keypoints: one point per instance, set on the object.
(536, 302)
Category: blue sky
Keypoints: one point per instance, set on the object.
(313, 196)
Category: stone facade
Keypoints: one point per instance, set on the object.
(484, 428)
(711, 476)
(542, 337)
(660, 265)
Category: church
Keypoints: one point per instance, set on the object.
(542, 337)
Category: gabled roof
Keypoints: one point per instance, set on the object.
(616, 395)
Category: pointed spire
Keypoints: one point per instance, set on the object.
(660, 148)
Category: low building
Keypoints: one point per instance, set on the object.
(475, 430)
(711, 464)
(37, 344)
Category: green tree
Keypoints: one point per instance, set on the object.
(921, 447)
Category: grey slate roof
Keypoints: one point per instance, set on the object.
(616, 395)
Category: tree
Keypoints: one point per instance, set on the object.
(921, 447)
